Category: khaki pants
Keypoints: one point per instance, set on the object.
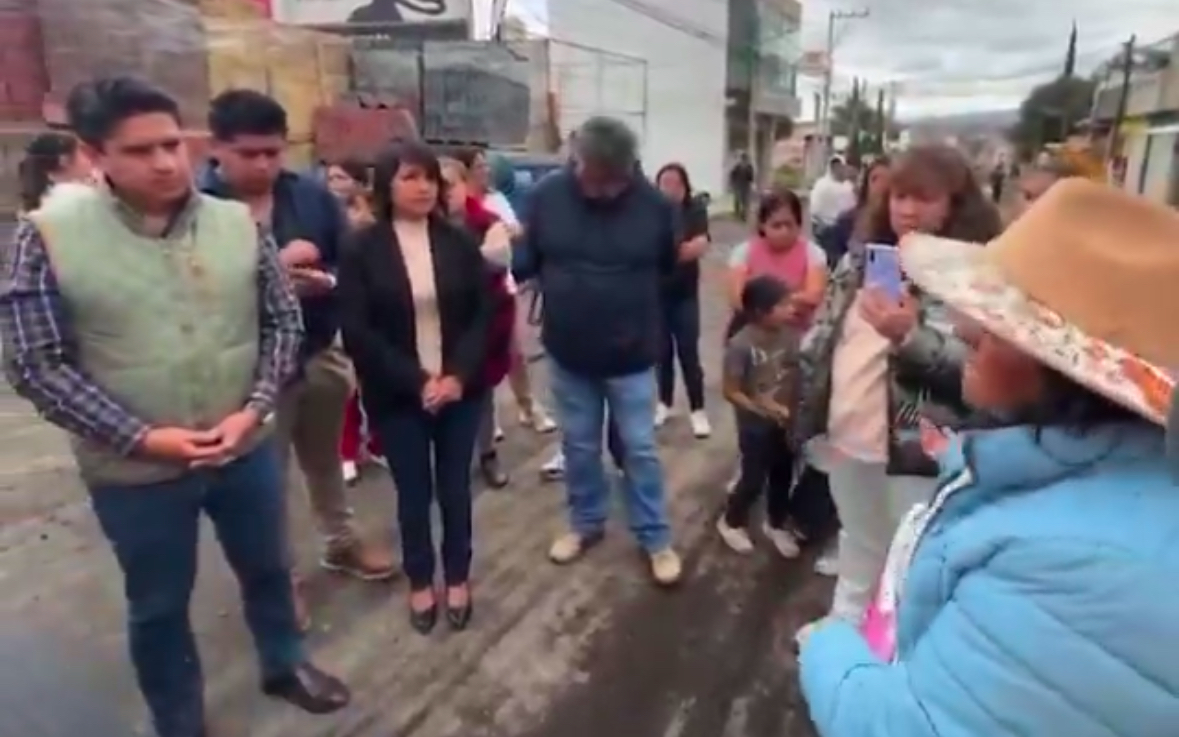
(310, 418)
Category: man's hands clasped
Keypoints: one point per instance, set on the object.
(200, 448)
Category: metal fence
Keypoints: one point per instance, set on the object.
(494, 93)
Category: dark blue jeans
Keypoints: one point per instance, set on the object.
(430, 458)
(681, 339)
(154, 532)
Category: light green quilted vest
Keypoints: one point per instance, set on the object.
(168, 326)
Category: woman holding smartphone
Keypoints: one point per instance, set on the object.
(875, 365)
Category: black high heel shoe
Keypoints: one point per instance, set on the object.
(459, 617)
(423, 620)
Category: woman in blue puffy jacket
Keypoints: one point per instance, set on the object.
(1036, 594)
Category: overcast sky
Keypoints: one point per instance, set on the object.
(959, 55)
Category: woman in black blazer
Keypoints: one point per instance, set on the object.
(417, 313)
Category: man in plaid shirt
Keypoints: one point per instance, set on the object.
(156, 326)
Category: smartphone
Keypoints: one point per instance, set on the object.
(883, 270)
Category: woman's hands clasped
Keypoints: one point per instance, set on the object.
(440, 391)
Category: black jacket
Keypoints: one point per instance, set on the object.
(684, 283)
(377, 309)
(601, 267)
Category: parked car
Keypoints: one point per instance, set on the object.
(530, 168)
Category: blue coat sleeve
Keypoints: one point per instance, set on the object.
(526, 252)
(1051, 637)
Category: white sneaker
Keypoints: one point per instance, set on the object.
(736, 538)
(539, 420)
(376, 460)
(666, 567)
(827, 564)
(543, 422)
(784, 541)
(701, 427)
(554, 468)
(351, 473)
(662, 415)
(732, 485)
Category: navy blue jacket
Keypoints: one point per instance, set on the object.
(600, 266)
(304, 209)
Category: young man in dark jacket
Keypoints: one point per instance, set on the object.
(599, 239)
(249, 138)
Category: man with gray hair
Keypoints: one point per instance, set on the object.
(599, 239)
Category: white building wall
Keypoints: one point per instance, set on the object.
(674, 97)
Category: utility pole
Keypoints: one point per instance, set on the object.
(1115, 134)
(856, 104)
(881, 123)
(833, 18)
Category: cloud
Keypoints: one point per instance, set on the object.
(957, 55)
(951, 55)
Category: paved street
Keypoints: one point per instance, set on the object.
(571, 652)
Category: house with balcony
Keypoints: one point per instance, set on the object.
(762, 76)
(1148, 160)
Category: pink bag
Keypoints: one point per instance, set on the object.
(879, 627)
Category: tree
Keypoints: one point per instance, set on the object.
(1051, 113)
(858, 115)
(1070, 56)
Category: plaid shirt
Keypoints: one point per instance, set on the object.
(41, 355)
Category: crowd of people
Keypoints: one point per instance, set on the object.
(985, 433)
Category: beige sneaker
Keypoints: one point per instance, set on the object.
(570, 546)
(662, 415)
(701, 427)
(736, 538)
(666, 567)
(784, 541)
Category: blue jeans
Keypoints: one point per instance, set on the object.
(581, 405)
(153, 530)
(429, 458)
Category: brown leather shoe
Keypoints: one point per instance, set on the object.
(308, 688)
(364, 561)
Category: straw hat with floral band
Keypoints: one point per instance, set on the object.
(1086, 282)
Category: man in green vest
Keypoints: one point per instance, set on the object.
(156, 326)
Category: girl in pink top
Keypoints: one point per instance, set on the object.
(780, 249)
